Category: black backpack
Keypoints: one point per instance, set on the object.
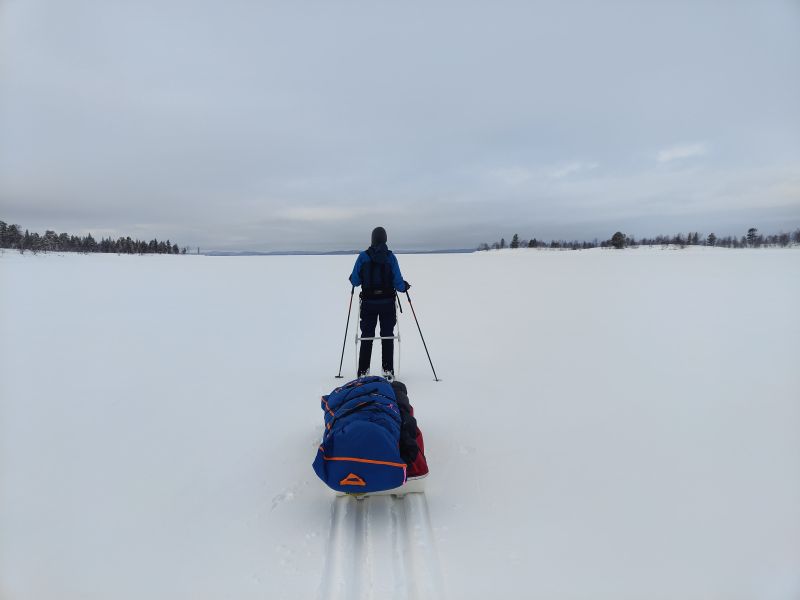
(376, 275)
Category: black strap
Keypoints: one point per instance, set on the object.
(376, 270)
(367, 403)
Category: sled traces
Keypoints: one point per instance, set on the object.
(421, 561)
(341, 544)
(381, 547)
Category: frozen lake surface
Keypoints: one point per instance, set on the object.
(609, 425)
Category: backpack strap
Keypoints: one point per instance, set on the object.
(376, 272)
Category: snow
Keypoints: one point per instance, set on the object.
(609, 424)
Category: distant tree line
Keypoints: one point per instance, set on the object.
(516, 242)
(619, 240)
(12, 237)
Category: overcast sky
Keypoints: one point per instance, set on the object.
(243, 124)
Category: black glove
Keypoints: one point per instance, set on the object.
(408, 285)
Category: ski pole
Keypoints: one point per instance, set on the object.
(346, 327)
(435, 378)
(400, 306)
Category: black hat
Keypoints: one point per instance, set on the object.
(378, 236)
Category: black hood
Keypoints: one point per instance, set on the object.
(378, 236)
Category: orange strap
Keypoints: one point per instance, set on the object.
(363, 460)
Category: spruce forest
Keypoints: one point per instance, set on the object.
(752, 239)
(12, 237)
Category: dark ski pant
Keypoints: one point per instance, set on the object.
(371, 311)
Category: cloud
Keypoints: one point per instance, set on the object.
(571, 168)
(511, 176)
(516, 176)
(317, 213)
(682, 151)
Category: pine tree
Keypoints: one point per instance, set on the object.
(711, 240)
(752, 236)
(515, 241)
(618, 240)
(26, 242)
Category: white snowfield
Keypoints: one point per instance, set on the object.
(609, 425)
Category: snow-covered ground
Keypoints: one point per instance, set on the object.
(610, 425)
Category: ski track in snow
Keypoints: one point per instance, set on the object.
(381, 547)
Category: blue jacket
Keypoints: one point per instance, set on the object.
(360, 451)
(397, 277)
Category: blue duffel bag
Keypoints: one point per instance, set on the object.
(360, 450)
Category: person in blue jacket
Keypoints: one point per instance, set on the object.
(378, 273)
